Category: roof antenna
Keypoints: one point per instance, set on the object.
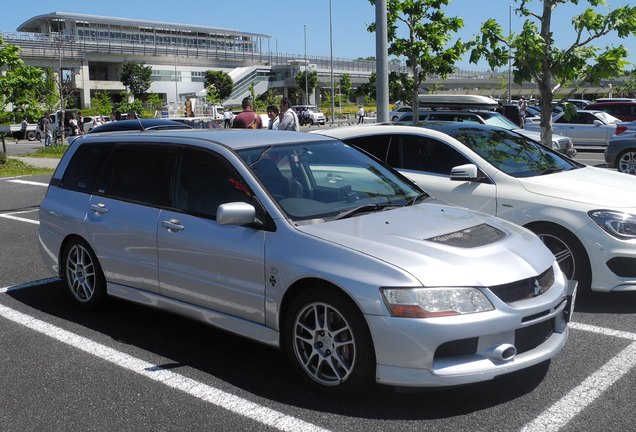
(137, 117)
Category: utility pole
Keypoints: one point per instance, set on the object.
(306, 68)
(382, 61)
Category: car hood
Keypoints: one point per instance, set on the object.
(399, 237)
(596, 187)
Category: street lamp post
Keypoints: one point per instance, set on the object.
(333, 95)
(306, 82)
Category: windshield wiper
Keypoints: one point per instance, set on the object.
(416, 198)
(365, 208)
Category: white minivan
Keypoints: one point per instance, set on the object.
(315, 115)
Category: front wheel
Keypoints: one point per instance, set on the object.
(569, 253)
(82, 275)
(626, 162)
(328, 342)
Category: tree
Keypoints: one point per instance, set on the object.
(368, 90)
(312, 81)
(427, 46)
(101, 103)
(136, 77)
(400, 84)
(220, 82)
(345, 86)
(536, 58)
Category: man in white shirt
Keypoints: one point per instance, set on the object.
(361, 115)
(288, 117)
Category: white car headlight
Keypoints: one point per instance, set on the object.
(618, 224)
(435, 302)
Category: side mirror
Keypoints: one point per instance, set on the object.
(466, 172)
(235, 213)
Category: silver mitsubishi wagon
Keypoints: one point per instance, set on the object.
(306, 244)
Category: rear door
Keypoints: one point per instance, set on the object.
(123, 214)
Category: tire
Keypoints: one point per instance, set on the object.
(82, 275)
(38, 136)
(568, 251)
(394, 119)
(333, 356)
(626, 162)
(31, 135)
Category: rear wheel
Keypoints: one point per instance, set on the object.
(82, 275)
(328, 342)
(568, 251)
(626, 162)
(31, 135)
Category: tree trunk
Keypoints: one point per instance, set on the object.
(545, 81)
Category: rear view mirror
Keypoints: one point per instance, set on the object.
(466, 172)
(235, 213)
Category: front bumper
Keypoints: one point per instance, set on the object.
(459, 350)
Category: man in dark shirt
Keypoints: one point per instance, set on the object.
(247, 119)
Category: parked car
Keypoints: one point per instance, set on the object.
(621, 153)
(586, 129)
(393, 115)
(91, 122)
(560, 143)
(304, 243)
(315, 116)
(511, 112)
(585, 215)
(133, 125)
(624, 110)
(578, 103)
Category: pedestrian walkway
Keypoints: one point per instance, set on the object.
(37, 162)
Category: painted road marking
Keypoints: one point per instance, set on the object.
(28, 182)
(564, 410)
(17, 218)
(156, 373)
(552, 419)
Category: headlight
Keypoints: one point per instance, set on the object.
(435, 302)
(618, 224)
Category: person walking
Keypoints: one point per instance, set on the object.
(523, 111)
(361, 115)
(23, 129)
(274, 120)
(247, 119)
(45, 125)
(227, 119)
(288, 117)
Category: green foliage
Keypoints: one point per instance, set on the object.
(219, 84)
(400, 85)
(128, 104)
(153, 101)
(101, 103)
(426, 45)
(14, 167)
(312, 81)
(536, 57)
(368, 90)
(345, 86)
(137, 77)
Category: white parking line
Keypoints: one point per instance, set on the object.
(28, 182)
(13, 217)
(559, 414)
(192, 387)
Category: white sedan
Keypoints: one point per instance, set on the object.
(587, 128)
(585, 215)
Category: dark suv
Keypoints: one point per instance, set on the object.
(623, 110)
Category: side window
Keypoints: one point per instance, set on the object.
(377, 145)
(84, 168)
(203, 181)
(441, 117)
(467, 118)
(138, 173)
(429, 155)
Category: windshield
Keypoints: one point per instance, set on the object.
(511, 153)
(607, 118)
(326, 180)
(499, 120)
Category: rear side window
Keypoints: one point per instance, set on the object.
(138, 173)
(383, 147)
(84, 168)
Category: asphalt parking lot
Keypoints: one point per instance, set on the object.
(132, 368)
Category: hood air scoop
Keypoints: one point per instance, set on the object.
(478, 235)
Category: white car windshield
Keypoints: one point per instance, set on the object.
(328, 180)
(511, 153)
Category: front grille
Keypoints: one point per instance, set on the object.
(526, 288)
(528, 338)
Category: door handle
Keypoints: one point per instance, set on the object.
(172, 225)
(99, 208)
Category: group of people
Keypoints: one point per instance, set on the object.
(283, 118)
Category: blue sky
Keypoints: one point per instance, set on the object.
(284, 20)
